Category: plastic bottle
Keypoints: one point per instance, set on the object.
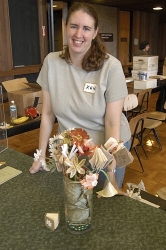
(13, 110)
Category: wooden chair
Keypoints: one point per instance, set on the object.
(153, 119)
(151, 125)
(156, 115)
(130, 102)
(137, 128)
(143, 101)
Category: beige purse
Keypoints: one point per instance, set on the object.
(123, 157)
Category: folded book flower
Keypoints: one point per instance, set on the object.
(80, 159)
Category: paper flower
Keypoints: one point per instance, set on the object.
(75, 166)
(90, 181)
(108, 191)
(75, 154)
(48, 222)
(37, 155)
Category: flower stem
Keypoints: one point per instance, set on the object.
(75, 177)
(105, 175)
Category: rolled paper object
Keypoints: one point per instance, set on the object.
(111, 144)
(120, 145)
(108, 191)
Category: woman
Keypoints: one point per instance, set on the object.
(84, 87)
(143, 49)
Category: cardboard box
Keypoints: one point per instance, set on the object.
(135, 73)
(23, 93)
(148, 63)
(149, 83)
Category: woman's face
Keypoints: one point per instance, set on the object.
(80, 31)
(147, 48)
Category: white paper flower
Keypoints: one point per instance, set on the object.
(37, 155)
(108, 191)
(48, 222)
(44, 165)
(75, 166)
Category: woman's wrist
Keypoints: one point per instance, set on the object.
(111, 170)
(111, 167)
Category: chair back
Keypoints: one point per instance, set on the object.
(136, 127)
(143, 99)
(130, 102)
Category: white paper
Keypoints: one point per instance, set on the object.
(8, 173)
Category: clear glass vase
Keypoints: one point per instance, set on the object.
(78, 206)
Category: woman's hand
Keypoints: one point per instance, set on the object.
(36, 167)
(120, 192)
(114, 183)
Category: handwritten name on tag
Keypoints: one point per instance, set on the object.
(90, 87)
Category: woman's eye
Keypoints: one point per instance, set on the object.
(73, 26)
(86, 28)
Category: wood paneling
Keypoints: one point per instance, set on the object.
(162, 40)
(145, 27)
(7, 71)
(42, 17)
(123, 36)
(21, 70)
(5, 41)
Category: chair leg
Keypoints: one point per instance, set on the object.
(157, 137)
(144, 150)
(136, 151)
(142, 147)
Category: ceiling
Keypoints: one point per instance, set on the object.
(130, 5)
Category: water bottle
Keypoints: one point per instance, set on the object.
(13, 110)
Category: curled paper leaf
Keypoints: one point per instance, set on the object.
(108, 191)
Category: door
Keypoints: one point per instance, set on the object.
(124, 38)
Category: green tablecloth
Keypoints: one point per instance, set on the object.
(118, 222)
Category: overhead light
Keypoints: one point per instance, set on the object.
(54, 6)
(157, 8)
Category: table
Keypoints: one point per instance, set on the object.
(131, 90)
(118, 222)
(20, 128)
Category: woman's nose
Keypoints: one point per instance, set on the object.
(78, 32)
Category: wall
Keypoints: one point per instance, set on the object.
(108, 24)
(145, 26)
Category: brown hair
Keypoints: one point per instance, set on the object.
(97, 54)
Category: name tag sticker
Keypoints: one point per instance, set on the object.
(90, 87)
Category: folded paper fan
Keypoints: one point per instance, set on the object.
(99, 159)
(108, 191)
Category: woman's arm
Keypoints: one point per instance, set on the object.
(47, 122)
(112, 129)
(113, 119)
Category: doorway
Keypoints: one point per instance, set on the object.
(124, 39)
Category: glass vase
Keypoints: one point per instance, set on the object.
(78, 206)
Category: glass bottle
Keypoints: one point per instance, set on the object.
(13, 110)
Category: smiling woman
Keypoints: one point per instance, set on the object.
(84, 87)
(80, 33)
